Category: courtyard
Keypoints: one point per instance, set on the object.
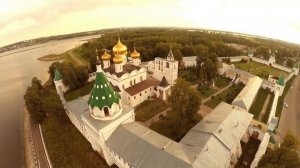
(259, 69)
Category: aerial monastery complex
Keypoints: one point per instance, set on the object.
(106, 117)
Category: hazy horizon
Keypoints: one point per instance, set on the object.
(42, 18)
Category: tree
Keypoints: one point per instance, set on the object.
(184, 100)
(33, 103)
(289, 62)
(286, 156)
(290, 141)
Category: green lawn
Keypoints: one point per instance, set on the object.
(248, 66)
(207, 92)
(73, 56)
(74, 94)
(266, 115)
(258, 103)
(65, 145)
(190, 75)
(259, 69)
(148, 109)
(221, 82)
(222, 96)
(174, 126)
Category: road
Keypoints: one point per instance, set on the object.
(38, 146)
(290, 116)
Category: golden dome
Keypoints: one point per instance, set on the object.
(135, 54)
(118, 59)
(119, 48)
(105, 56)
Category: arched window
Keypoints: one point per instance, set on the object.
(106, 111)
(167, 65)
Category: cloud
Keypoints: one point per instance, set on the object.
(35, 18)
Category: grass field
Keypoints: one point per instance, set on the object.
(259, 102)
(221, 82)
(73, 56)
(74, 94)
(148, 109)
(222, 96)
(259, 69)
(206, 93)
(65, 144)
(266, 115)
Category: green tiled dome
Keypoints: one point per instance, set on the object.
(57, 76)
(280, 80)
(103, 93)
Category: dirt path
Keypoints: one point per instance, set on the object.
(264, 109)
(215, 94)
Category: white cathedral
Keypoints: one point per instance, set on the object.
(106, 118)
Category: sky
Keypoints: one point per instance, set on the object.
(27, 19)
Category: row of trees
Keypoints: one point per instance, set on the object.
(73, 76)
(153, 43)
(39, 103)
(286, 156)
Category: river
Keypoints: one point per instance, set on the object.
(17, 68)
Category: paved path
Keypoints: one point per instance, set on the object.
(155, 118)
(290, 116)
(264, 109)
(215, 94)
(38, 146)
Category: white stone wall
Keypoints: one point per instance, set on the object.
(189, 63)
(137, 99)
(283, 68)
(127, 80)
(262, 61)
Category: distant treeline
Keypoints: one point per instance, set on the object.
(155, 42)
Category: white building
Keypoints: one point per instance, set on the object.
(164, 67)
(131, 80)
(190, 61)
(246, 97)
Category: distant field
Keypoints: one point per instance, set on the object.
(50, 57)
(73, 56)
(259, 69)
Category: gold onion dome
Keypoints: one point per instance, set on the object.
(119, 48)
(118, 59)
(105, 56)
(135, 54)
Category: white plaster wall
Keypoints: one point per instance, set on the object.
(140, 97)
(283, 68)
(190, 63)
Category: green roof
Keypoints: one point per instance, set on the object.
(296, 65)
(272, 139)
(103, 93)
(280, 80)
(57, 76)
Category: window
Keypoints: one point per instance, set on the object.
(145, 91)
(167, 65)
(130, 83)
(134, 97)
(150, 89)
(140, 94)
(106, 112)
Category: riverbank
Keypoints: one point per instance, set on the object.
(73, 56)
